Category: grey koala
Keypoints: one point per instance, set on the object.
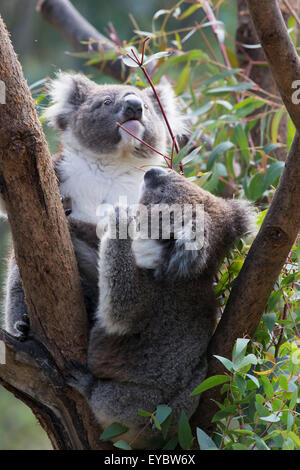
(157, 308)
(98, 163)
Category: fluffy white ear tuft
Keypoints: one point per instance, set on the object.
(189, 254)
(66, 92)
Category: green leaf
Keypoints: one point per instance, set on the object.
(218, 76)
(261, 410)
(275, 124)
(245, 361)
(272, 418)
(183, 79)
(239, 446)
(128, 61)
(283, 381)
(246, 107)
(270, 147)
(239, 348)
(240, 383)
(162, 413)
(274, 171)
(204, 441)
(291, 130)
(293, 401)
(225, 412)
(218, 150)
(144, 413)
(171, 444)
(122, 445)
(193, 156)
(157, 56)
(226, 362)
(114, 430)
(203, 109)
(229, 88)
(210, 383)
(185, 436)
(260, 444)
(156, 423)
(256, 187)
(240, 137)
(268, 389)
(288, 444)
(200, 181)
(254, 379)
(188, 11)
(243, 432)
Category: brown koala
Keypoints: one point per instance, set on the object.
(98, 164)
(157, 306)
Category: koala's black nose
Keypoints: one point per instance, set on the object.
(152, 176)
(133, 108)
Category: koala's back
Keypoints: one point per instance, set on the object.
(168, 351)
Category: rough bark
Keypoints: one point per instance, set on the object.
(41, 240)
(281, 225)
(260, 74)
(48, 269)
(75, 29)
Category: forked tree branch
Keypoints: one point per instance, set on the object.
(281, 225)
(76, 29)
(48, 268)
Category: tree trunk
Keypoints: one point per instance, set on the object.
(259, 73)
(34, 369)
(48, 269)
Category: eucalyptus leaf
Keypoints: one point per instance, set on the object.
(114, 430)
(205, 442)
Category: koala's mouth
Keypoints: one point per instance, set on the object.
(134, 126)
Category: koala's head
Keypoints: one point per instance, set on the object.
(201, 232)
(87, 115)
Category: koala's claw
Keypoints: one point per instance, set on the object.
(23, 327)
(78, 377)
(67, 205)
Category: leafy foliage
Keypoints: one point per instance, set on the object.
(260, 409)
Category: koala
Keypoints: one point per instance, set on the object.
(157, 307)
(98, 164)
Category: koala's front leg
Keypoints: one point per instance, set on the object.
(16, 315)
(125, 290)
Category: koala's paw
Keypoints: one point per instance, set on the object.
(67, 205)
(22, 327)
(79, 377)
(147, 253)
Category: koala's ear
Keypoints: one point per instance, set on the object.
(241, 218)
(67, 92)
(204, 245)
(171, 106)
(186, 256)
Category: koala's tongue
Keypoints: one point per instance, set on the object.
(133, 126)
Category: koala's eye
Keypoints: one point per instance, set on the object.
(107, 101)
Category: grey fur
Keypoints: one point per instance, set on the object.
(93, 141)
(148, 346)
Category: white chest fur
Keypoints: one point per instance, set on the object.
(90, 183)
